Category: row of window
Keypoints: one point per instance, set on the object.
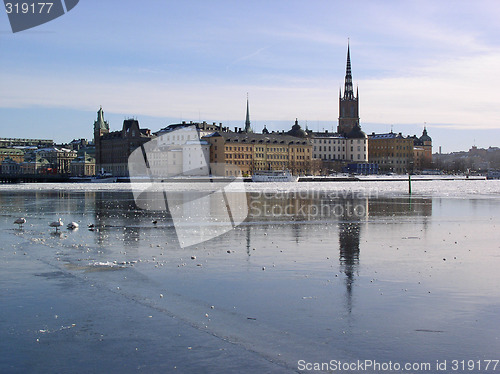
(336, 141)
(390, 147)
(324, 148)
(262, 149)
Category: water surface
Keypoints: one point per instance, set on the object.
(317, 272)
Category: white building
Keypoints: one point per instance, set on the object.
(351, 148)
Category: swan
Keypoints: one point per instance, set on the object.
(56, 224)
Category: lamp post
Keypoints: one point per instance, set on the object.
(410, 172)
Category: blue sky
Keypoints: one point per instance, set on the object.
(415, 62)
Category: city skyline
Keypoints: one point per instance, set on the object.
(415, 63)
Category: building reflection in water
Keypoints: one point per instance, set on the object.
(349, 238)
(350, 212)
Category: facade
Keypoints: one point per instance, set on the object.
(9, 166)
(203, 129)
(34, 164)
(392, 152)
(422, 151)
(349, 144)
(398, 154)
(335, 147)
(112, 149)
(178, 151)
(13, 154)
(59, 159)
(83, 166)
(17, 142)
(251, 152)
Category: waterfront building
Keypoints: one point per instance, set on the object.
(349, 144)
(9, 166)
(59, 159)
(203, 128)
(83, 165)
(14, 154)
(34, 164)
(399, 154)
(19, 142)
(392, 152)
(422, 151)
(335, 147)
(251, 152)
(112, 149)
(178, 151)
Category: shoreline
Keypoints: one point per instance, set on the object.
(16, 179)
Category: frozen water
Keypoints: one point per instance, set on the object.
(352, 271)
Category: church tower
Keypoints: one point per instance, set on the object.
(248, 129)
(348, 104)
(101, 127)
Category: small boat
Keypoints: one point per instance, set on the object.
(104, 180)
(103, 177)
(274, 176)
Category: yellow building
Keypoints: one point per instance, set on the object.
(252, 152)
(16, 155)
(392, 152)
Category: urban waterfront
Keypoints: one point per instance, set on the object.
(318, 272)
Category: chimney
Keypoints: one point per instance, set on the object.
(235, 129)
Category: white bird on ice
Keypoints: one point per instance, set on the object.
(56, 224)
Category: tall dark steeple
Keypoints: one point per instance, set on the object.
(348, 92)
(348, 103)
(248, 129)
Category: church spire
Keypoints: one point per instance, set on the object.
(247, 121)
(348, 91)
(348, 103)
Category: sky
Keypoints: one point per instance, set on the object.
(416, 63)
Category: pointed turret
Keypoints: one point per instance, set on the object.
(248, 129)
(100, 123)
